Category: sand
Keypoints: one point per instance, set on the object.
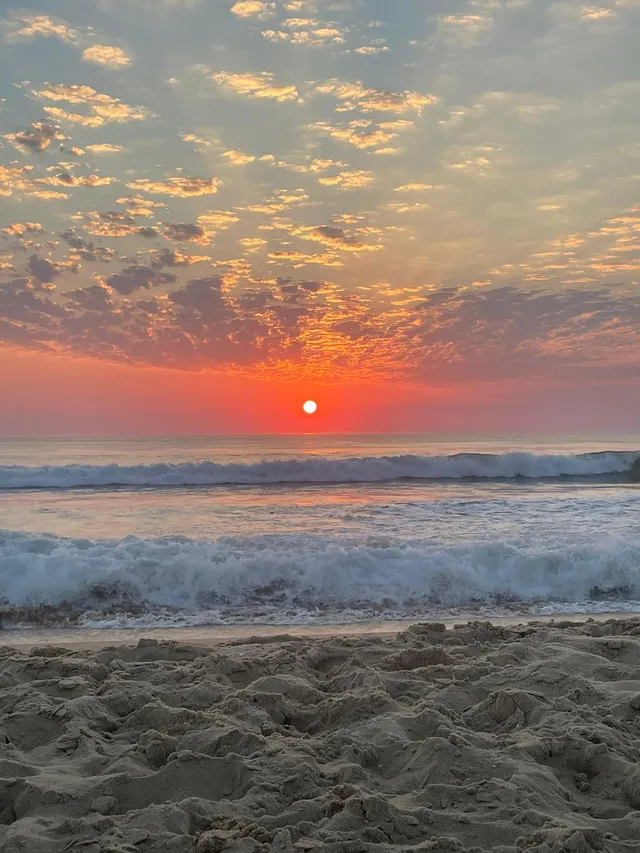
(472, 738)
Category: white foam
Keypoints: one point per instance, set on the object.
(319, 470)
(297, 579)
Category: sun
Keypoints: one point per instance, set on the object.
(310, 407)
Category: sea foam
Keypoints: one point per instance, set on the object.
(301, 578)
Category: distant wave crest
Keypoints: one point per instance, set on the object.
(376, 469)
(289, 579)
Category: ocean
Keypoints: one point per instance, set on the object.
(314, 530)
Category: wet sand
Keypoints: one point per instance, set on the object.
(480, 737)
(83, 638)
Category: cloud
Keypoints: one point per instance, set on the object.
(107, 56)
(307, 32)
(42, 269)
(361, 134)
(66, 179)
(140, 206)
(253, 9)
(238, 158)
(19, 27)
(48, 195)
(136, 277)
(113, 223)
(596, 13)
(183, 232)
(252, 244)
(413, 188)
(334, 237)
(19, 229)
(105, 148)
(299, 260)
(177, 187)
(465, 28)
(349, 180)
(36, 138)
(103, 108)
(74, 118)
(175, 258)
(258, 86)
(456, 333)
(217, 220)
(406, 207)
(371, 49)
(355, 96)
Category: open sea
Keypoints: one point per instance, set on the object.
(166, 532)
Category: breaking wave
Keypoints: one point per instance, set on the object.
(327, 470)
(49, 580)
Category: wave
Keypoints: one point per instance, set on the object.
(378, 469)
(288, 579)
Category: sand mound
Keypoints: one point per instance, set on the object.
(481, 738)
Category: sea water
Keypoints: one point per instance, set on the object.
(314, 529)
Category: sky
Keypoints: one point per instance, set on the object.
(423, 215)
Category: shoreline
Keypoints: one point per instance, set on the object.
(93, 639)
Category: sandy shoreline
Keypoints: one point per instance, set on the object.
(484, 737)
(83, 638)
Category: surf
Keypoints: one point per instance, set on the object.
(325, 470)
(299, 579)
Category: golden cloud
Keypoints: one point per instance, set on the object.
(177, 187)
(238, 158)
(253, 9)
(315, 37)
(107, 55)
(260, 86)
(595, 13)
(66, 179)
(406, 207)
(300, 259)
(354, 96)
(413, 188)
(103, 107)
(333, 237)
(176, 258)
(350, 180)
(371, 49)
(37, 137)
(321, 165)
(43, 26)
(105, 148)
(361, 134)
(48, 194)
(19, 229)
(139, 206)
(253, 244)
(74, 118)
(217, 220)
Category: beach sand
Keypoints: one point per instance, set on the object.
(480, 737)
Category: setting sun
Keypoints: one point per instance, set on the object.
(310, 407)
